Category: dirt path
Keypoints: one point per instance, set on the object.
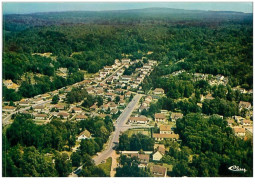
(114, 163)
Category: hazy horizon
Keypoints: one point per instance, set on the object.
(27, 8)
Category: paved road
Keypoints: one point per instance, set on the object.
(119, 127)
(103, 81)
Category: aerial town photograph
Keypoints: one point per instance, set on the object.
(134, 89)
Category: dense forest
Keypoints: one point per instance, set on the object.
(42, 150)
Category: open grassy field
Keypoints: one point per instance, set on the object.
(136, 131)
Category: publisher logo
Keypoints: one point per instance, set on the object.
(237, 169)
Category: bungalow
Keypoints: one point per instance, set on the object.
(80, 117)
(38, 100)
(134, 85)
(84, 135)
(120, 72)
(145, 103)
(117, 62)
(230, 122)
(100, 92)
(40, 116)
(94, 107)
(112, 105)
(159, 91)
(165, 129)
(159, 117)
(143, 158)
(114, 111)
(109, 68)
(59, 107)
(24, 103)
(246, 122)
(11, 85)
(160, 137)
(157, 156)
(125, 79)
(109, 95)
(138, 120)
(238, 118)
(63, 114)
(207, 97)
(77, 110)
(143, 108)
(128, 94)
(148, 99)
(39, 108)
(9, 108)
(175, 116)
(46, 96)
(239, 131)
(122, 103)
(244, 105)
(125, 61)
(159, 171)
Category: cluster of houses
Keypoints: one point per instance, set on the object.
(212, 80)
(11, 85)
(114, 91)
(118, 80)
(242, 127)
(150, 159)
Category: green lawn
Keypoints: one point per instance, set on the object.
(106, 166)
(136, 131)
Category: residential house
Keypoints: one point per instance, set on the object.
(244, 105)
(159, 117)
(230, 122)
(59, 107)
(148, 98)
(175, 116)
(10, 85)
(24, 103)
(41, 116)
(80, 117)
(9, 108)
(165, 129)
(159, 171)
(157, 156)
(77, 110)
(143, 108)
(94, 107)
(122, 102)
(128, 94)
(239, 131)
(112, 105)
(238, 118)
(159, 91)
(246, 122)
(125, 79)
(39, 108)
(160, 137)
(125, 61)
(84, 135)
(63, 115)
(146, 103)
(143, 158)
(139, 120)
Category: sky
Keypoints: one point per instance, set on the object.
(30, 7)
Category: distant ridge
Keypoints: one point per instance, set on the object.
(161, 10)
